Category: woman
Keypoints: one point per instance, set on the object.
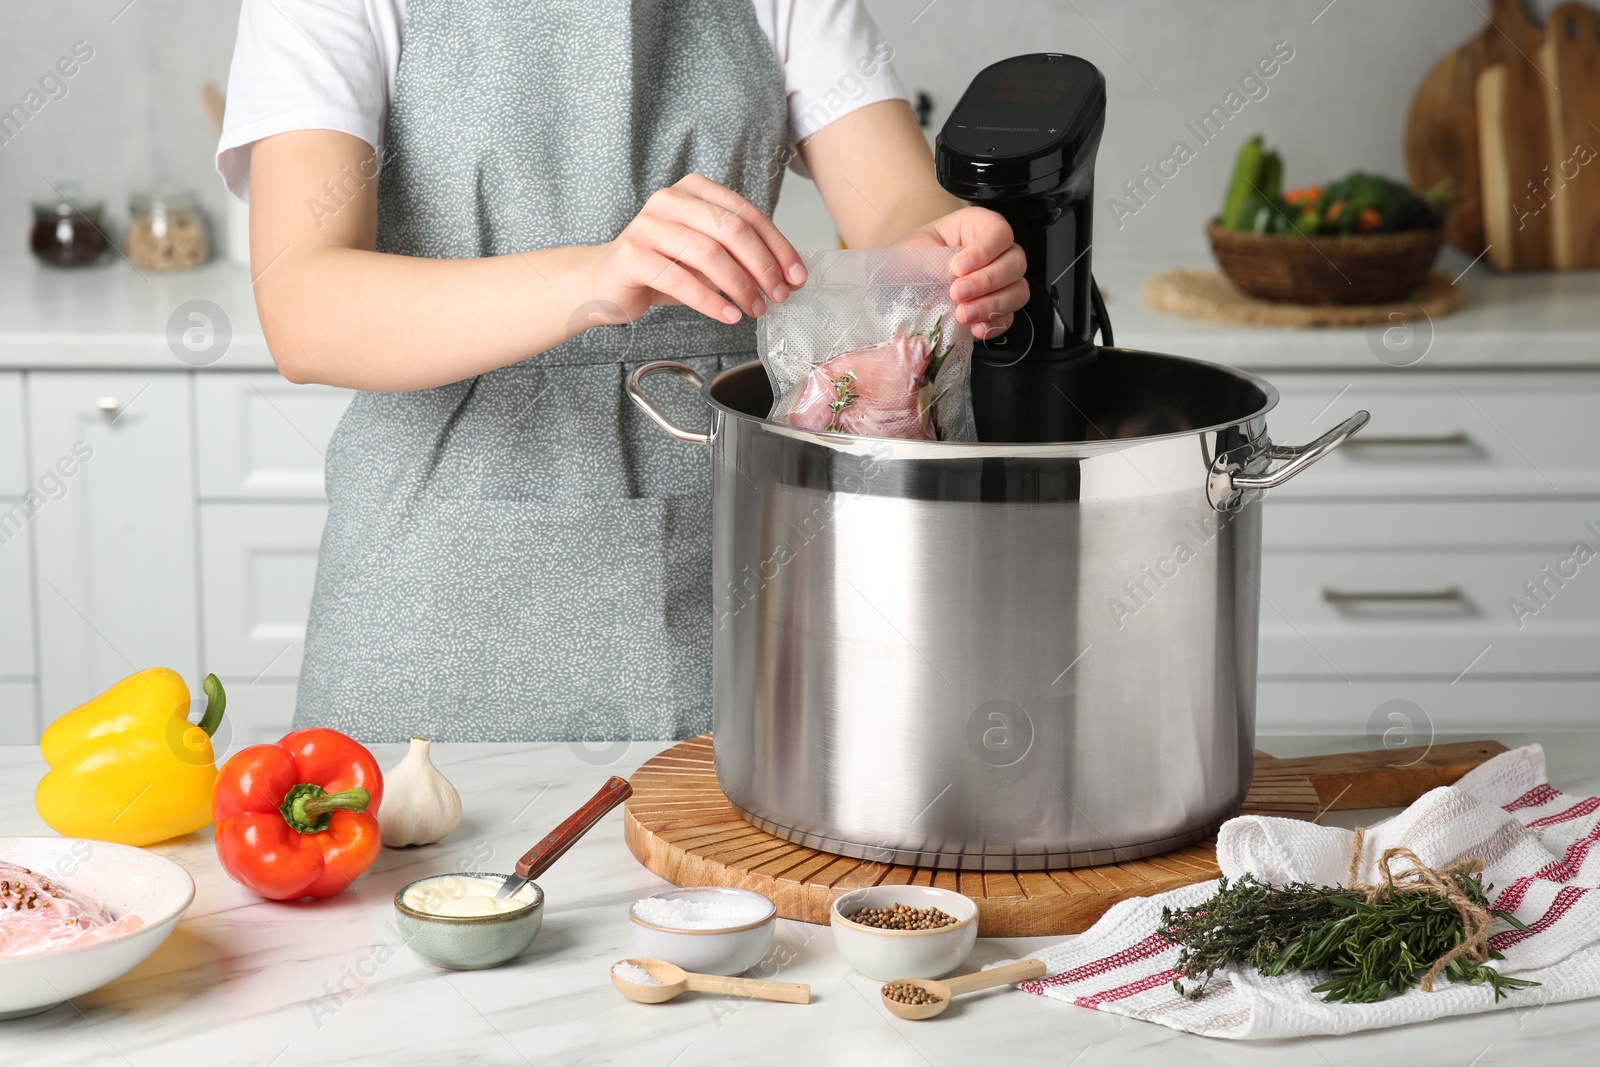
(483, 217)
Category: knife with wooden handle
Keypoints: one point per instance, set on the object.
(539, 858)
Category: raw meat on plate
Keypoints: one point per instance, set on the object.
(41, 915)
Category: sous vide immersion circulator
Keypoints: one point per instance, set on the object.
(1022, 142)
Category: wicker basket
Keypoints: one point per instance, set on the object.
(1370, 268)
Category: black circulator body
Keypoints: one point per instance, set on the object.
(1022, 142)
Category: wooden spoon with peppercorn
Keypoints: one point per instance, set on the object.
(923, 998)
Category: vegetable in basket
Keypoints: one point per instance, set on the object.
(1355, 204)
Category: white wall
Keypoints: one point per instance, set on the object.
(130, 115)
(1339, 104)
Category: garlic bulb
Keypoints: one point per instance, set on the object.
(419, 804)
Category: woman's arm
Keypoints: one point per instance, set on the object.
(337, 312)
(875, 173)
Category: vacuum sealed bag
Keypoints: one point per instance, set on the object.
(871, 346)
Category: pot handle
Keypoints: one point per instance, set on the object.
(682, 370)
(1227, 486)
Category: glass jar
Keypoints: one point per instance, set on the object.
(166, 232)
(69, 231)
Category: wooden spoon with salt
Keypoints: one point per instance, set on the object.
(675, 980)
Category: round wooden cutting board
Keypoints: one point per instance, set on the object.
(679, 824)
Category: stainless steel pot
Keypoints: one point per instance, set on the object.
(993, 656)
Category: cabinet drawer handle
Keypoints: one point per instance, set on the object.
(108, 405)
(1452, 595)
(1444, 440)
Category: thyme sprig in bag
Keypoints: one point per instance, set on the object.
(871, 346)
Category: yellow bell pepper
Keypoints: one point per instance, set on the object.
(129, 766)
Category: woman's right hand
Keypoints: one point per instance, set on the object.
(700, 244)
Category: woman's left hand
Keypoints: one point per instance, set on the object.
(988, 287)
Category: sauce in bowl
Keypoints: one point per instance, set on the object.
(461, 896)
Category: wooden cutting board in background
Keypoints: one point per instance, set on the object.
(1441, 139)
(679, 824)
(1570, 57)
(1514, 158)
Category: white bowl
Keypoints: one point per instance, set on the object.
(731, 950)
(890, 954)
(130, 881)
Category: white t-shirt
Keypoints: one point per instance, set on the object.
(330, 65)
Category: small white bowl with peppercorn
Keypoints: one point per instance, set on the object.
(889, 932)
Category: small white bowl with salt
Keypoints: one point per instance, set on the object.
(709, 929)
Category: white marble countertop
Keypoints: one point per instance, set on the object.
(247, 981)
(113, 317)
(1521, 320)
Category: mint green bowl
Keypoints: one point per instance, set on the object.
(469, 942)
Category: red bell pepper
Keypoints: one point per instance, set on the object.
(298, 818)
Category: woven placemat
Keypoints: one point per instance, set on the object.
(1206, 294)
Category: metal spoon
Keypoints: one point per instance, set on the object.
(966, 983)
(675, 980)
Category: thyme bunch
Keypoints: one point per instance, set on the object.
(844, 386)
(844, 396)
(1370, 943)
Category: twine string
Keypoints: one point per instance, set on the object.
(1420, 879)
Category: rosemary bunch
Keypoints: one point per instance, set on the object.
(1368, 951)
(937, 353)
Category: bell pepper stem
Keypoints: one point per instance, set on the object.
(216, 703)
(308, 808)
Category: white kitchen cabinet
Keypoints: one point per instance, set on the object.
(18, 696)
(1435, 612)
(16, 592)
(1427, 588)
(18, 714)
(116, 551)
(262, 437)
(258, 565)
(1408, 713)
(13, 473)
(258, 713)
(18, 708)
(1391, 569)
(1300, 525)
(1438, 434)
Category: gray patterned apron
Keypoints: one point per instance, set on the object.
(522, 556)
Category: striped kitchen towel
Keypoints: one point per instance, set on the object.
(1539, 846)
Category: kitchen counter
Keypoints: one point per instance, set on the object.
(246, 981)
(113, 317)
(1521, 320)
